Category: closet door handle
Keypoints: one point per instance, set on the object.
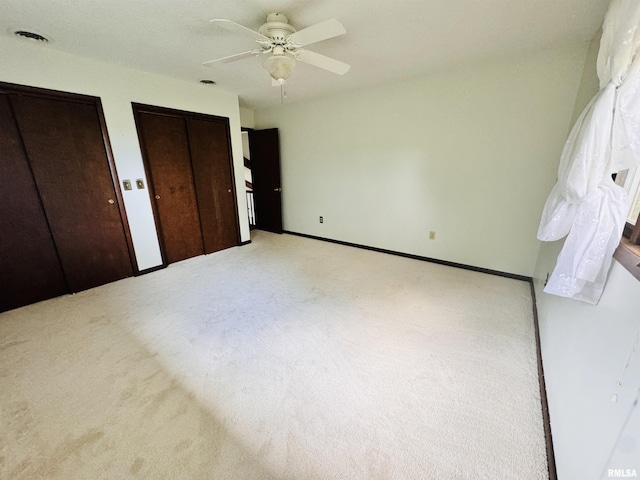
(111, 201)
(157, 197)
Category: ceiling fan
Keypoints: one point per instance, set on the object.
(281, 45)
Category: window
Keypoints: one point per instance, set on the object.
(631, 182)
(635, 204)
(628, 253)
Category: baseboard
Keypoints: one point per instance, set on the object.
(416, 257)
(160, 267)
(551, 458)
(149, 270)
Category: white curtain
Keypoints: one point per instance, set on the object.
(586, 205)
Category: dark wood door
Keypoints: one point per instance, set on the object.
(214, 182)
(265, 172)
(165, 144)
(64, 142)
(30, 270)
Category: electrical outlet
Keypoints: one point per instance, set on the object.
(432, 235)
(321, 219)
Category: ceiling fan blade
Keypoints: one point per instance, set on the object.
(233, 58)
(237, 28)
(318, 32)
(320, 61)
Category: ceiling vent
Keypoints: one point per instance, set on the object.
(35, 37)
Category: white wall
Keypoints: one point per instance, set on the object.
(41, 66)
(469, 154)
(585, 349)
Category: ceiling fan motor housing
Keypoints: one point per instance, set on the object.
(277, 28)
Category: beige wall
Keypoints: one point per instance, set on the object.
(469, 154)
(246, 117)
(40, 66)
(585, 349)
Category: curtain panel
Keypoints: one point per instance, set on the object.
(585, 205)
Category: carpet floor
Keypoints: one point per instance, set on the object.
(287, 358)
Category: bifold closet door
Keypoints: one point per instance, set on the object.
(188, 161)
(67, 154)
(166, 147)
(30, 270)
(215, 191)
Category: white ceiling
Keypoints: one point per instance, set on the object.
(385, 40)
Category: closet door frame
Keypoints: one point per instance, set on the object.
(139, 108)
(15, 89)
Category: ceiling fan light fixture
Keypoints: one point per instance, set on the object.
(279, 66)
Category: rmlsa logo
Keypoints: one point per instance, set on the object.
(622, 473)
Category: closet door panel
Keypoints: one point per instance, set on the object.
(29, 267)
(166, 148)
(64, 144)
(215, 189)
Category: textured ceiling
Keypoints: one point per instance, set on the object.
(385, 40)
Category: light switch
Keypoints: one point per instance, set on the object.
(140, 183)
(127, 184)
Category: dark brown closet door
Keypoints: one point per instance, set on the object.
(64, 144)
(166, 151)
(29, 267)
(213, 174)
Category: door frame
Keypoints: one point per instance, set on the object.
(24, 90)
(139, 108)
(248, 130)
